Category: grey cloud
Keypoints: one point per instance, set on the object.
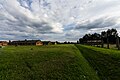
(97, 23)
(19, 21)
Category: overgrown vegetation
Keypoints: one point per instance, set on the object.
(63, 62)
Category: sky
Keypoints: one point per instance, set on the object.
(56, 20)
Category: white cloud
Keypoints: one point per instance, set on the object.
(56, 19)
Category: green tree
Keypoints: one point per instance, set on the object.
(103, 35)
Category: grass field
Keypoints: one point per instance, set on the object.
(106, 62)
(63, 62)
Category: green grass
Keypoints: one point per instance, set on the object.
(63, 62)
(106, 62)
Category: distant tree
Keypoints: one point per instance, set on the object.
(115, 34)
(111, 36)
(69, 42)
(96, 36)
(87, 37)
(103, 35)
(9, 42)
(65, 42)
(57, 42)
(77, 42)
(81, 41)
(108, 35)
(117, 42)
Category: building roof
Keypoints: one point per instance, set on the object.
(3, 42)
(45, 42)
(26, 41)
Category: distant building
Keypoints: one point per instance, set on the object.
(45, 42)
(27, 42)
(49, 43)
(54, 43)
(3, 43)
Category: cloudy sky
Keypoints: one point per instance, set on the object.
(56, 20)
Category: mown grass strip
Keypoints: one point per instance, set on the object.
(63, 62)
(107, 66)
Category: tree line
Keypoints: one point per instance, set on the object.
(107, 37)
